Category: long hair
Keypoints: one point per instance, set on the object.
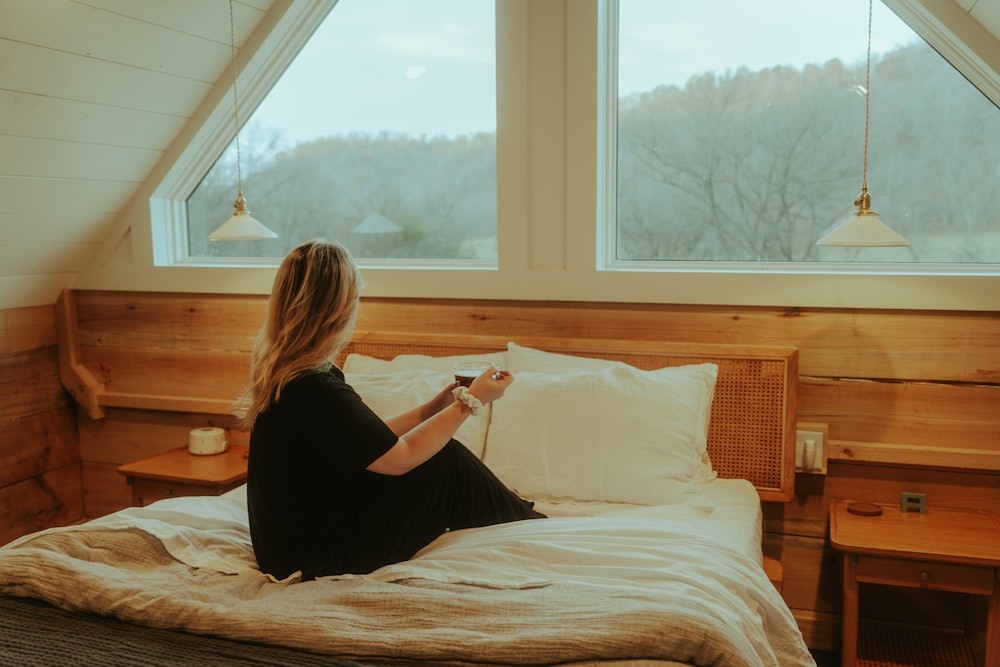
(310, 317)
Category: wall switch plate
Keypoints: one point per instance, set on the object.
(913, 502)
(810, 448)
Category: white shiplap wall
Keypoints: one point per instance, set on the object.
(92, 93)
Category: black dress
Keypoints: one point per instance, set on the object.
(314, 507)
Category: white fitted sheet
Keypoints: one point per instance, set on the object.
(727, 509)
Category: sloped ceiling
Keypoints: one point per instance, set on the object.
(94, 92)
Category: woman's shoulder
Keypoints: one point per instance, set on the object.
(314, 388)
(327, 376)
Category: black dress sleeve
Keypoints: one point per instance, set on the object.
(340, 428)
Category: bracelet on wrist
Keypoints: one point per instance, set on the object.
(463, 396)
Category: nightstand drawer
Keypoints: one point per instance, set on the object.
(923, 574)
(146, 491)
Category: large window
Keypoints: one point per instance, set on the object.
(381, 134)
(740, 134)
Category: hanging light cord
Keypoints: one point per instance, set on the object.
(868, 71)
(236, 106)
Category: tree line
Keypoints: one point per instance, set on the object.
(743, 165)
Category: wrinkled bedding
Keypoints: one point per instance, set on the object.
(665, 583)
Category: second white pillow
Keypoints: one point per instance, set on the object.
(618, 434)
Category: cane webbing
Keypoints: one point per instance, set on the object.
(883, 645)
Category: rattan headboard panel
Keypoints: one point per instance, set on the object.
(751, 434)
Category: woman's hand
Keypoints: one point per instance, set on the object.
(443, 399)
(420, 441)
(491, 384)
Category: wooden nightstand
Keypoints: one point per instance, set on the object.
(944, 549)
(179, 473)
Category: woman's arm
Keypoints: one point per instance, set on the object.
(428, 437)
(411, 419)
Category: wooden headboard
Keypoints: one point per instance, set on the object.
(751, 434)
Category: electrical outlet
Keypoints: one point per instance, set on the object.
(913, 502)
(810, 448)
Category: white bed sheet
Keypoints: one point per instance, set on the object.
(624, 574)
(729, 509)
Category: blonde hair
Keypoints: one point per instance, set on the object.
(310, 317)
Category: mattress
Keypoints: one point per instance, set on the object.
(595, 584)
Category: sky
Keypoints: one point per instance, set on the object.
(385, 65)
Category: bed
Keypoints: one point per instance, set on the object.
(650, 459)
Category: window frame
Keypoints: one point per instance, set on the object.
(912, 13)
(260, 62)
(549, 194)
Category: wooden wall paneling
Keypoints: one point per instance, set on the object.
(128, 435)
(30, 383)
(807, 513)
(180, 353)
(960, 420)
(30, 328)
(36, 443)
(811, 586)
(169, 321)
(919, 413)
(104, 489)
(76, 378)
(54, 498)
(837, 344)
(820, 630)
(946, 346)
(194, 374)
(40, 482)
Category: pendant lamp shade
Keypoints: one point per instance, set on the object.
(241, 226)
(864, 228)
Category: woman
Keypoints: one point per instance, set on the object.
(332, 488)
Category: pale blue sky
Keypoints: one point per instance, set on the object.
(386, 65)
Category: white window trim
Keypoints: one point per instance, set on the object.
(544, 213)
(260, 62)
(945, 42)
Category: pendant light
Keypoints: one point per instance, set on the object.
(241, 226)
(864, 227)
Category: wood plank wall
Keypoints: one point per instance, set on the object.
(911, 399)
(40, 480)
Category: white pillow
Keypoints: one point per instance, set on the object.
(390, 394)
(361, 363)
(618, 434)
(530, 359)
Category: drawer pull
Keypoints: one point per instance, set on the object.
(925, 575)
